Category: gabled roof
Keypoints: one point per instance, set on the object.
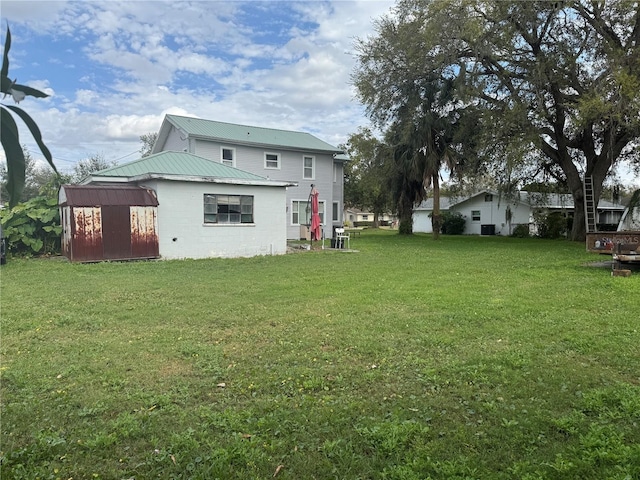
(243, 135)
(179, 166)
(106, 195)
(445, 203)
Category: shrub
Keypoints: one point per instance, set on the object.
(551, 225)
(33, 227)
(452, 223)
(521, 231)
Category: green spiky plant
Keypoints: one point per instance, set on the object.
(9, 130)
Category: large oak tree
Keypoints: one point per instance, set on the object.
(555, 85)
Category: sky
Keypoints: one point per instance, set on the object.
(113, 69)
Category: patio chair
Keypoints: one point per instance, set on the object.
(341, 236)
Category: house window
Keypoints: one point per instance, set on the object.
(335, 213)
(228, 208)
(308, 170)
(488, 197)
(301, 212)
(228, 156)
(365, 218)
(475, 215)
(272, 160)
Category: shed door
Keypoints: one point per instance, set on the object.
(116, 232)
(144, 228)
(86, 234)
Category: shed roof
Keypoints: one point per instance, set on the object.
(110, 195)
(177, 163)
(244, 134)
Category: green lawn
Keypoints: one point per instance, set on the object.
(410, 359)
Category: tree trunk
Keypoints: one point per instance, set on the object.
(436, 217)
(406, 224)
(405, 216)
(376, 220)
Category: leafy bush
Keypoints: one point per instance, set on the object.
(452, 223)
(33, 227)
(551, 225)
(521, 231)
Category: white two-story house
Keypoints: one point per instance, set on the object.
(295, 157)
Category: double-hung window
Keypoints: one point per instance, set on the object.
(228, 208)
(475, 215)
(228, 156)
(301, 212)
(272, 160)
(308, 167)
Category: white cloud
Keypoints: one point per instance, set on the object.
(141, 60)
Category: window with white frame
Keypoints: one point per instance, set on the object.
(272, 160)
(301, 212)
(336, 212)
(308, 167)
(475, 215)
(228, 156)
(228, 208)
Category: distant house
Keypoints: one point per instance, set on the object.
(297, 158)
(206, 208)
(487, 213)
(357, 217)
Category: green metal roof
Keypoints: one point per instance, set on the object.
(242, 134)
(176, 163)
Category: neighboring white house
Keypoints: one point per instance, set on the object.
(487, 213)
(205, 208)
(355, 216)
(298, 158)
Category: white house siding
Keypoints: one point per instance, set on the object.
(338, 192)
(251, 159)
(422, 221)
(175, 143)
(183, 233)
(491, 213)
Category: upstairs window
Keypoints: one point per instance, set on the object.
(488, 197)
(272, 160)
(228, 208)
(228, 156)
(308, 167)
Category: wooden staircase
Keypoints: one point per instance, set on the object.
(589, 205)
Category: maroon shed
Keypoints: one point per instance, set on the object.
(115, 222)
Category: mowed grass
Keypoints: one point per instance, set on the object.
(410, 359)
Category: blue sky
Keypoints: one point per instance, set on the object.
(115, 68)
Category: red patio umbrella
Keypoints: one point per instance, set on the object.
(315, 215)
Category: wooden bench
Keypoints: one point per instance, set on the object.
(353, 231)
